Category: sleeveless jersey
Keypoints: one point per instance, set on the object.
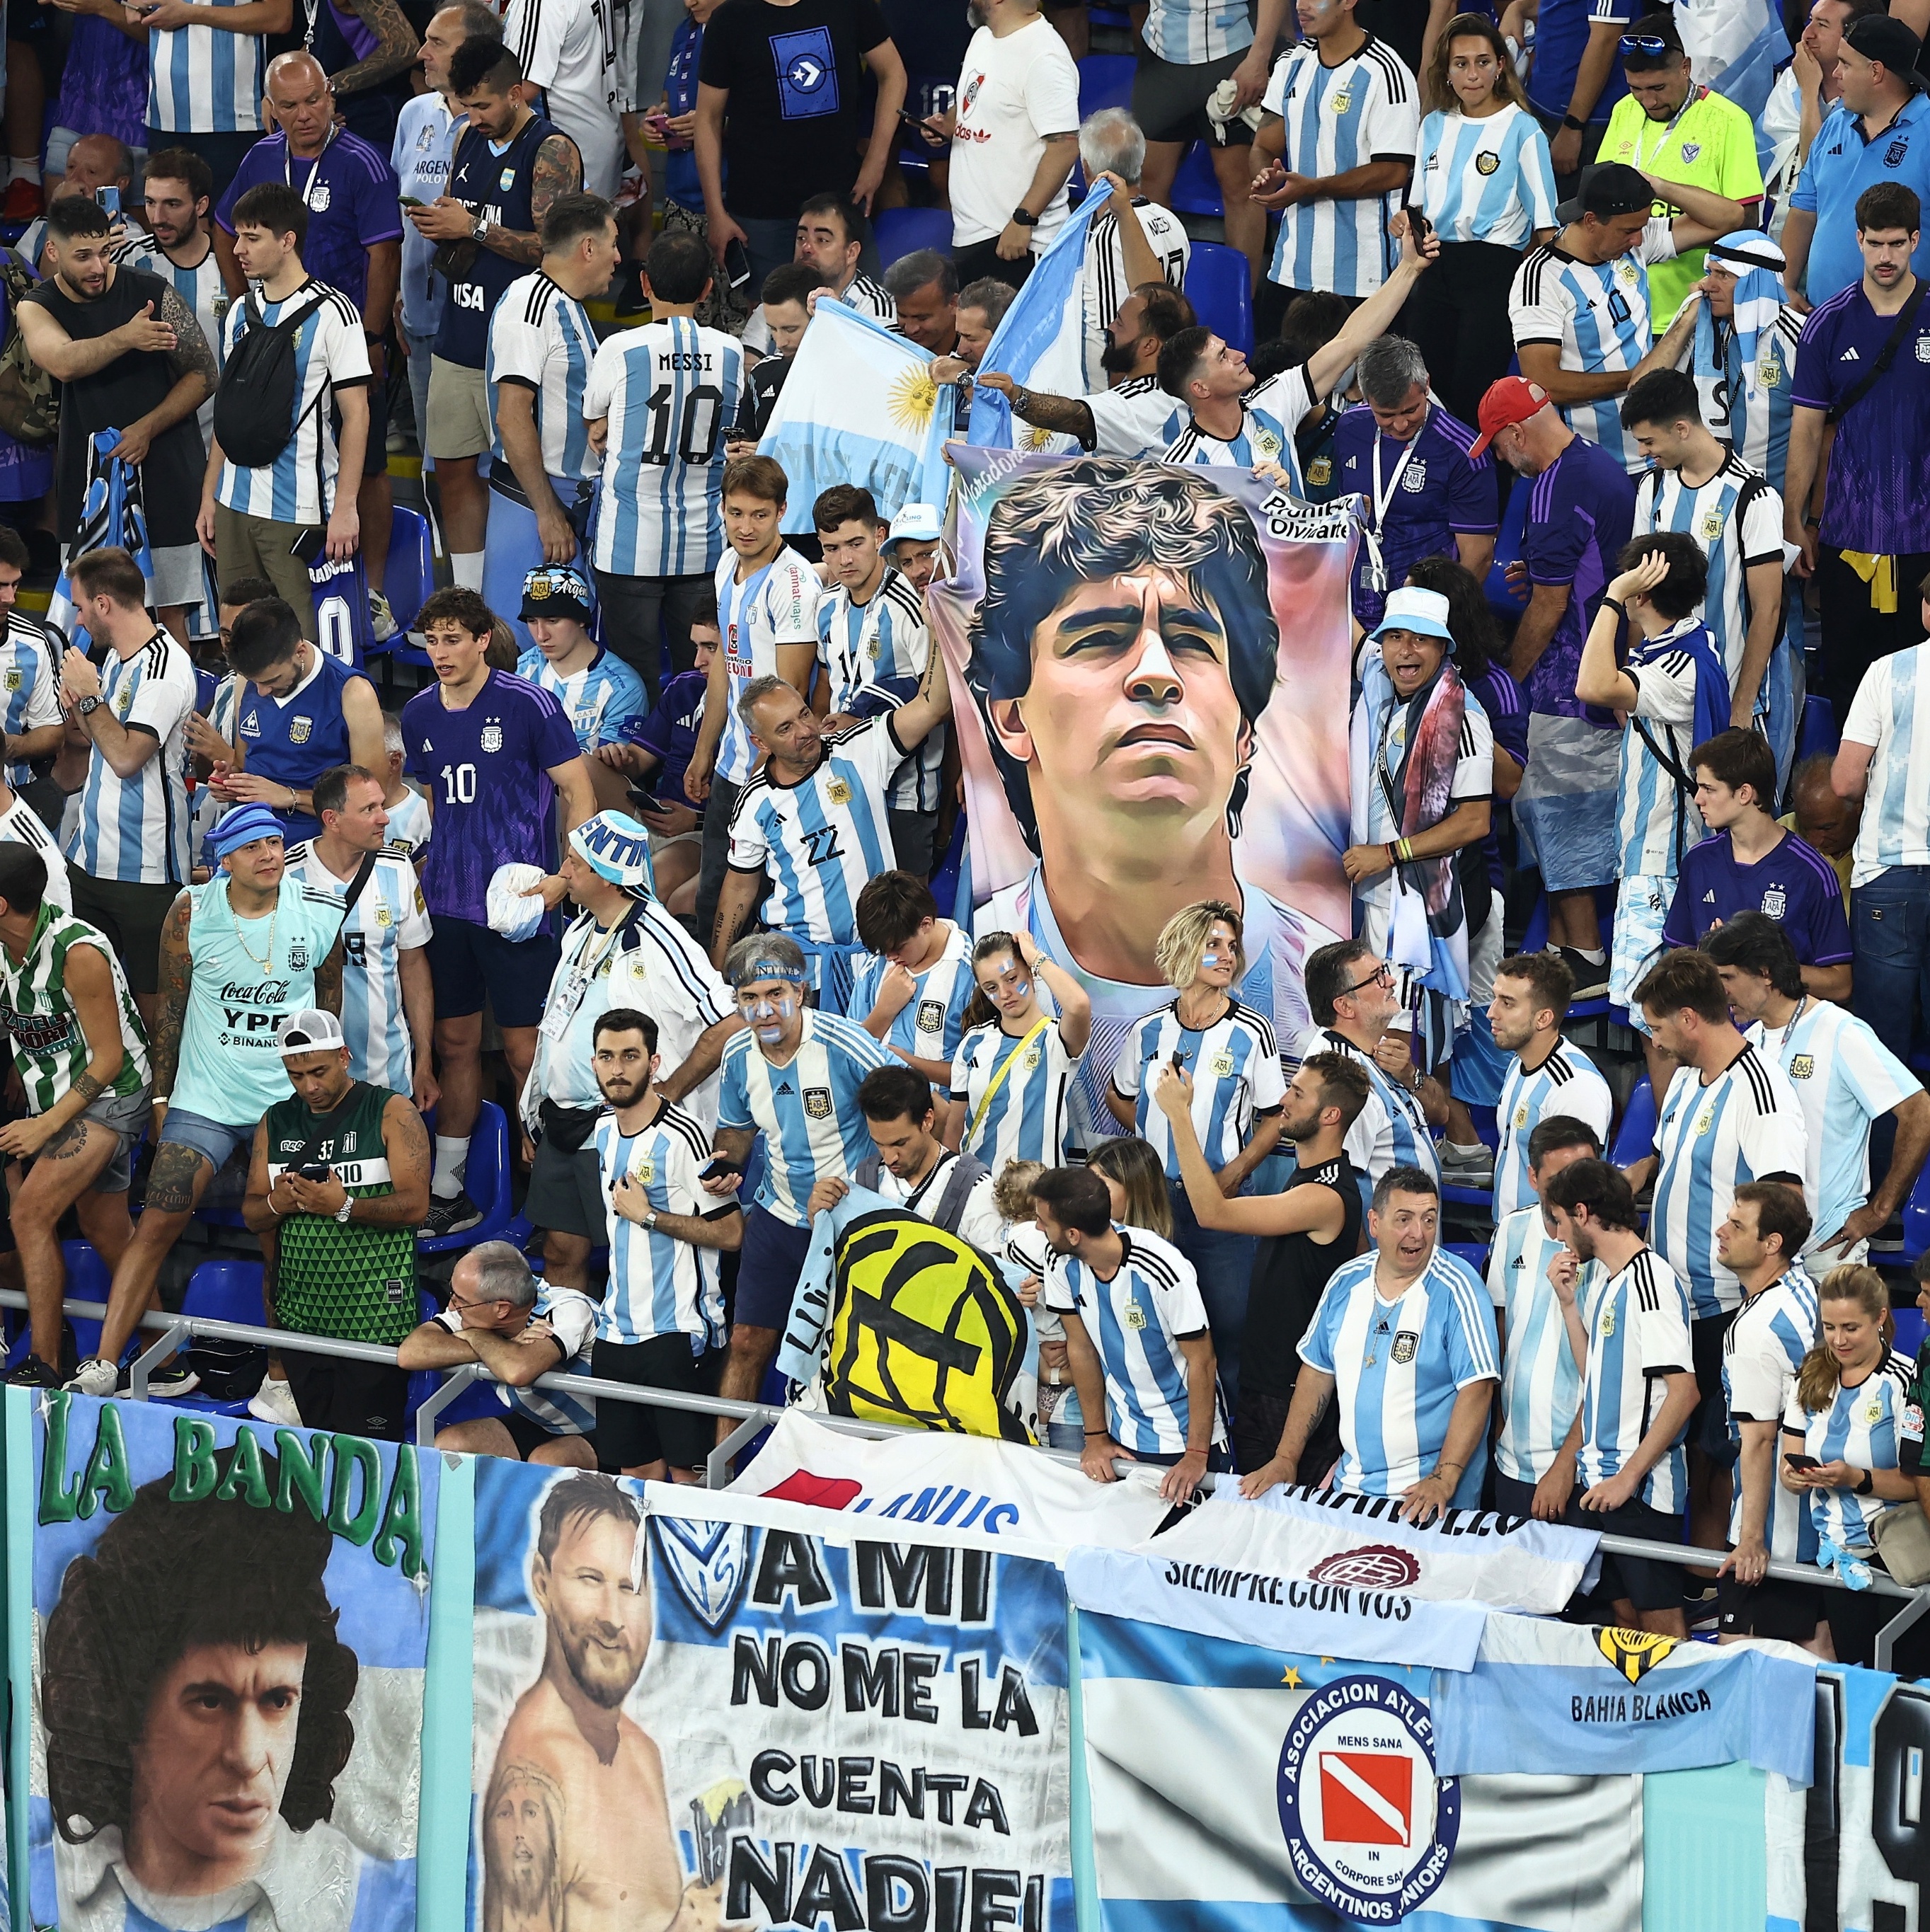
(49, 1048)
(354, 1282)
(494, 183)
(230, 1070)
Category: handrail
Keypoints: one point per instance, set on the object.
(753, 1416)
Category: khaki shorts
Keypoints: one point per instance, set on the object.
(458, 409)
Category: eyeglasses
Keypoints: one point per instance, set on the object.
(1653, 45)
(1382, 975)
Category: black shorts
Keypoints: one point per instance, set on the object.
(350, 1398)
(1169, 100)
(632, 1434)
(1641, 1580)
(1709, 1425)
(529, 1435)
(469, 963)
(1774, 1607)
(1512, 1497)
(566, 1191)
(131, 916)
(771, 1259)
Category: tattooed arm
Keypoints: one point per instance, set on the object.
(395, 51)
(177, 977)
(558, 170)
(90, 985)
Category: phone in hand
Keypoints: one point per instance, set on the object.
(716, 1170)
(108, 198)
(736, 264)
(1179, 1063)
(1798, 1461)
(412, 201)
(1421, 225)
(314, 1170)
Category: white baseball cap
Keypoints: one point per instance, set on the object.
(310, 1030)
(918, 521)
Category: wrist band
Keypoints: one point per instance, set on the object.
(1620, 609)
(1405, 847)
(1574, 126)
(1092, 1432)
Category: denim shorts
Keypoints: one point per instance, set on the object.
(215, 1138)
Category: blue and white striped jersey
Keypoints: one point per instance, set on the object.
(1190, 33)
(1135, 1322)
(807, 1109)
(1771, 1333)
(201, 287)
(1032, 1115)
(1488, 181)
(572, 1315)
(330, 354)
(1105, 283)
(1889, 711)
(1862, 1427)
(1391, 1130)
(1269, 413)
(874, 654)
(541, 338)
(202, 80)
(599, 701)
(1596, 314)
(1843, 1078)
(1638, 1324)
(1134, 418)
(659, 1286)
(1541, 1383)
(777, 603)
(1655, 820)
(1397, 1366)
(408, 829)
(1234, 1064)
(1757, 431)
(29, 683)
(1736, 520)
(668, 393)
(1363, 109)
(823, 840)
(1746, 1124)
(928, 1025)
(389, 919)
(1565, 1084)
(135, 829)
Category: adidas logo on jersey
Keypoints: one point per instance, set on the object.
(1708, 898)
(1850, 355)
(785, 1086)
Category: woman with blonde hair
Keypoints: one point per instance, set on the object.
(1840, 1453)
(1229, 1051)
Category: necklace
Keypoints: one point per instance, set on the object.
(266, 962)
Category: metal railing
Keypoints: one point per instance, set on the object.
(175, 1329)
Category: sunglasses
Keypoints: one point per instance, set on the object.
(1653, 45)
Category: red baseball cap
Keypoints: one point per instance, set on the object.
(1512, 399)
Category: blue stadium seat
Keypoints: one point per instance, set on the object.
(89, 1278)
(1535, 939)
(1219, 284)
(227, 1290)
(1475, 1253)
(1105, 80)
(1503, 598)
(1635, 1136)
(1915, 1221)
(1818, 731)
(904, 231)
(1195, 188)
(1909, 1329)
(487, 1182)
(412, 564)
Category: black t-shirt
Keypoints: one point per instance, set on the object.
(1290, 1272)
(794, 126)
(759, 396)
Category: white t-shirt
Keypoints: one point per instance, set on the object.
(566, 49)
(1012, 92)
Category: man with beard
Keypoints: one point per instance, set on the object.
(616, 1867)
(1548, 1075)
(179, 245)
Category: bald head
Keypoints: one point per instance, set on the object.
(1823, 820)
(97, 161)
(301, 101)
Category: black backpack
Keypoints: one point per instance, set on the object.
(255, 405)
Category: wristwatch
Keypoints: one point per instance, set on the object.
(1574, 126)
(481, 229)
(650, 1218)
(88, 706)
(342, 1212)
(1868, 1483)
(1024, 217)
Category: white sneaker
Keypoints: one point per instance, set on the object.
(274, 1402)
(381, 618)
(94, 1377)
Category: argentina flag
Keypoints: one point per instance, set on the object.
(1736, 49)
(112, 514)
(1041, 342)
(859, 405)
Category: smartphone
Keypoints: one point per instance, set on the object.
(1797, 1460)
(1422, 226)
(716, 1170)
(309, 546)
(108, 198)
(1179, 1063)
(412, 201)
(736, 264)
(314, 1170)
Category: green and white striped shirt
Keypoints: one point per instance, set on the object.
(49, 1046)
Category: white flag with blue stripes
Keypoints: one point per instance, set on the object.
(1041, 342)
(859, 407)
(1736, 49)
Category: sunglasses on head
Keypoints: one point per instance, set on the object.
(1653, 45)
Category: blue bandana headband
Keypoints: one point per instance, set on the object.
(769, 969)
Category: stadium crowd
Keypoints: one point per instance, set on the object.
(661, 856)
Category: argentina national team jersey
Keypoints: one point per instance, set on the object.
(1135, 1323)
(389, 919)
(1190, 33)
(1736, 519)
(1235, 1065)
(1390, 1131)
(777, 603)
(1136, 418)
(1756, 429)
(20, 824)
(134, 829)
(408, 830)
(1773, 1329)
(1638, 1324)
(1105, 285)
(29, 683)
(1541, 1384)
(203, 80)
(1565, 1085)
(1597, 315)
(1397, 1366)
(1269, 413)
(875, 654)
(659, 1286)
(807, 1109)
(1030, 1115)
(541, 339)
(822, 839)
(1746, 1124)
(1656, 821)
(1362, 109)
(572, 1315)
(601, 700)
(1844, 1079)
(1862, 1427)
(1488, 180)
(201, 287)
(1891, 711)
(667, 394)
(927, 1026)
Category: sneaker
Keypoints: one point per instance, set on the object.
(381, 618)
(172, 1381)
(34, 1373)
(274, 1402)
(1474, 1168)
(93, 1376)
(1591, 979)
(453, 1216)
(24, 201)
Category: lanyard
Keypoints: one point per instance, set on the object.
(1688, 100)
(1789, 1027)
(314, 167)
(1382, 498)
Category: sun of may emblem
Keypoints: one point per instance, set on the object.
(914, 396)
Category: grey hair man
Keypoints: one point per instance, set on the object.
(1111, 144)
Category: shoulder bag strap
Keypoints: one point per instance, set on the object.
(1906, 315)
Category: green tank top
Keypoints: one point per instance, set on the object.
(49, 1048)
(351, 1281)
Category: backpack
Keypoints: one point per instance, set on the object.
(255, 405)
(29, 397)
